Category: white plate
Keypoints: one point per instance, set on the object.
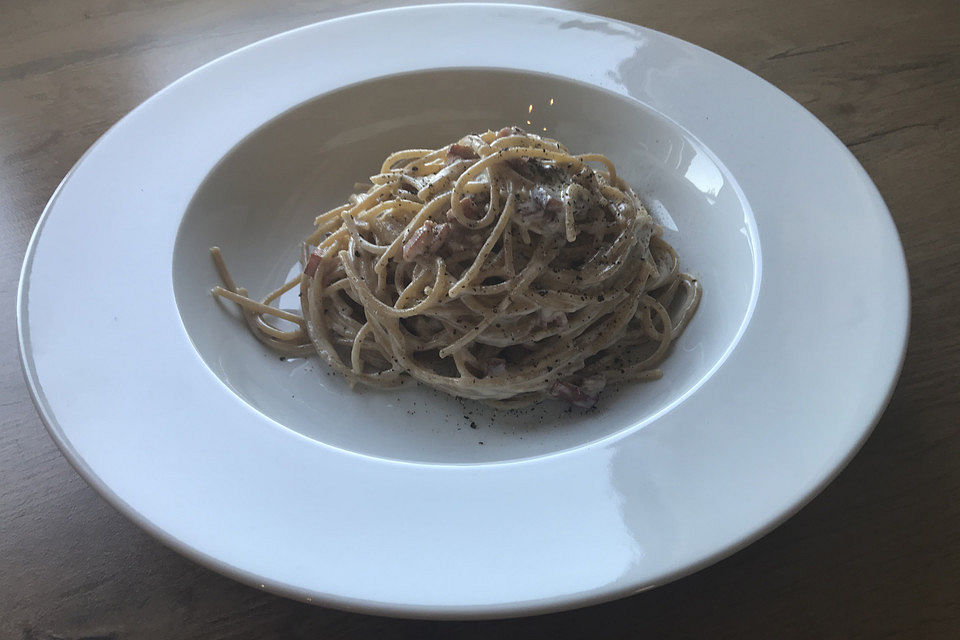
(276, 474)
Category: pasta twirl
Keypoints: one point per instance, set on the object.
(500, 267)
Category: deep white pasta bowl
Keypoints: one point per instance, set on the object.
(408, 502)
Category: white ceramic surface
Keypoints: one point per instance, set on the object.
(275, 473)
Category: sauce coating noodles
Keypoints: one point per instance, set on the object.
(500, 267)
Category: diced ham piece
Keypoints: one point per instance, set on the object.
(313, 263)
(541, 210)
(418, 243)
(426, 240)
(521, 166)
(470, 208)
(441, 234)
(495, 367)
(529, 210)
(510, 131)
(587, 179)
(536, 171)
(593, 385)
(460, 152)
(552, 318)
(546, 200)
(573, 394)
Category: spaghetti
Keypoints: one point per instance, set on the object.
(501, 268)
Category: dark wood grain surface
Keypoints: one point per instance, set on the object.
(877, 555)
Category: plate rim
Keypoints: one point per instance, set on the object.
(512, 609)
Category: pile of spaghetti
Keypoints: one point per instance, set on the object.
(500, 267)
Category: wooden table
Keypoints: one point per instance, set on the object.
(876, 555)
